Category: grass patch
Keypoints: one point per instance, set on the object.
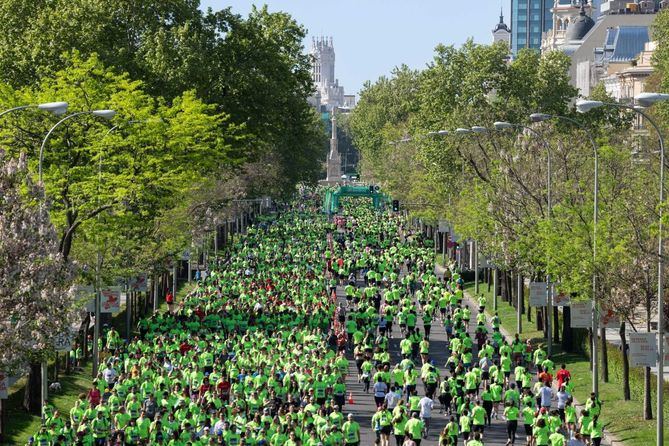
(21, 425)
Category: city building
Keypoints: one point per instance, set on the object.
(501, 32)
(600, 37)
(621, 67)
(328, 95)
(565, 14)
(631, 6)
(331, 101)
(530, 19)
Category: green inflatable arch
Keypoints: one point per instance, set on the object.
(332, 196)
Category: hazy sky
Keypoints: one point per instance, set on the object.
(373, 36)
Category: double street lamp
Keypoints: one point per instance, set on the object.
(646, 100)
(502, 125)
(540, 117)
(105, 114)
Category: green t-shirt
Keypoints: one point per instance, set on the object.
(414, 428)
(465, 423)
(541, 435)
(351, 431)
(511, 413)
(478, 415)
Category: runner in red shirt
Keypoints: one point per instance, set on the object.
(562, 375)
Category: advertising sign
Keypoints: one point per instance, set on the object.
(560, 298)
(537, 294)
(110, 300)
(581, 314)
(139, 283)
(643, 349)
(607, 318)
(63, 342)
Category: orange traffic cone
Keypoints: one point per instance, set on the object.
(350, 398)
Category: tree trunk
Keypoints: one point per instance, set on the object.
(2, 423)
(33, 390)
(147, 307)
(567, 332)
(502, 285)
(604, 355)
(540, 319)
(556, 325)
(510, 282)
(84, 336)
(626, 363)
(513, 288)
(590, 343)
(647, 401)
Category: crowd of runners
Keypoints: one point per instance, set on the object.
(258, 352)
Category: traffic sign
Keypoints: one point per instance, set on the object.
(110, 300)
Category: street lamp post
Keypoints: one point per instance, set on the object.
(646, 100)
(500, 125)
(106, 114)
(539, 117)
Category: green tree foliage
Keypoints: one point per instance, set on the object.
(493, 185)
(253, 68)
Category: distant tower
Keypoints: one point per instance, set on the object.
(501, 32)
(323, 75)
(334, 158)
(323, 69)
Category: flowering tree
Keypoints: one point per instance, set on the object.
(36, 302)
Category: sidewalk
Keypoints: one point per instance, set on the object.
(439, 270)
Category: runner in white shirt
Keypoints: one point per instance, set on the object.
(562, 398)
(546, 394)
(393, 397)
(426, 405)
(109, 374)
